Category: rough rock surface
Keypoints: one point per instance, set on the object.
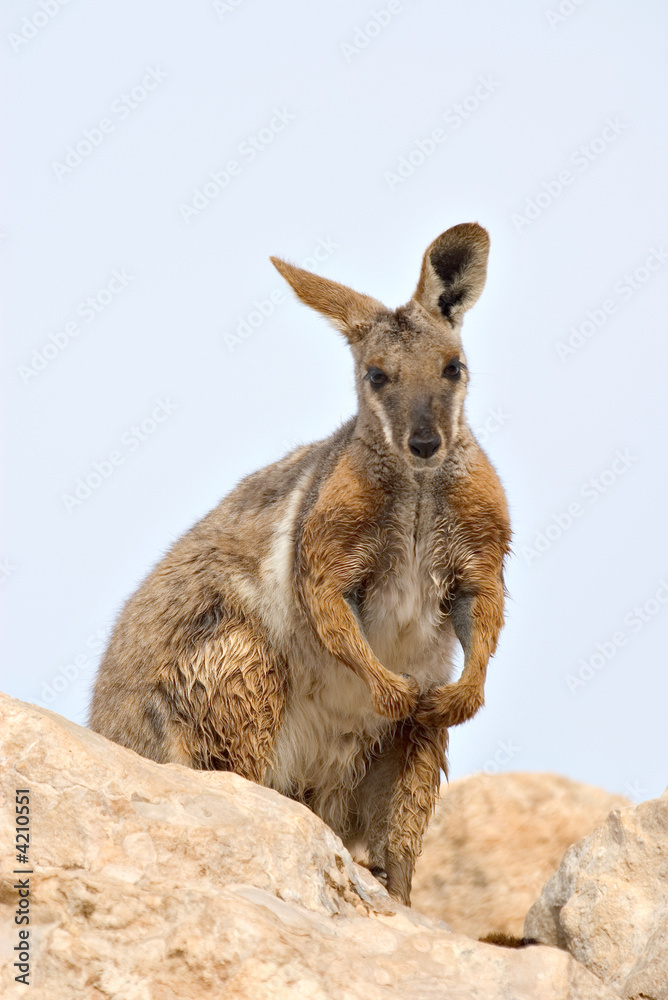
(494, 842)
(154, 882)
(608, 903)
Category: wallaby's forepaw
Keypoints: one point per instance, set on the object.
(449, 705)
(397, 698)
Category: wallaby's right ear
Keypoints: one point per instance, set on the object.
(453, 272)
(351, 312)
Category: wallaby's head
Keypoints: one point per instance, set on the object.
(410, 367)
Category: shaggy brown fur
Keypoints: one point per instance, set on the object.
(302, 634)
(507, 940)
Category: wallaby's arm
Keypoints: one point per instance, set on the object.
(477, 619)
(337, 548)
(476, 611)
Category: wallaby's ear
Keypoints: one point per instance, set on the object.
(351, 312)
(453, 271)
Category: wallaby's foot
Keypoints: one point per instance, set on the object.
(449, 705)
(380, 874)
(399, 878)
(397, 698)
(397, 883)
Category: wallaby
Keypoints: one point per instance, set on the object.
(302, 634)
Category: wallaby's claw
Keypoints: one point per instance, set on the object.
(381, 875)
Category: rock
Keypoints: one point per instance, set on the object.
(155, 882)
(494, 842)
(608, 902)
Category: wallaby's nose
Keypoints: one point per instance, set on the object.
(424, 444)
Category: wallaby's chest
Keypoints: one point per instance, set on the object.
(398, 600)
(329, 719)
(401, 607)
(329, 722)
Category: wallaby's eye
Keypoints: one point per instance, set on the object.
(377, 377)
(453, 370)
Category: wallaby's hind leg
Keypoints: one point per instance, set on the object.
(228, 693)
(395, 800)
(212, 701)
(413, 803)
(371, 804)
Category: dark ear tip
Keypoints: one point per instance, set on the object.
(458, 248)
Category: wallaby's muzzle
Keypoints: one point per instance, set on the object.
(424, 442)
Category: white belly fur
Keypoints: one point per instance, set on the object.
(329, 720)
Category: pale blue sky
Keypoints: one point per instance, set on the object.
(156, 154)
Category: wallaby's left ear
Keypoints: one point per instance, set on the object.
(351, 312)
(453, 272)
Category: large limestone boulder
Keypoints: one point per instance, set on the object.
(608, 902)
(495, 840)
(154, 882)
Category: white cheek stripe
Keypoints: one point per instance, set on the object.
(384, 422)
